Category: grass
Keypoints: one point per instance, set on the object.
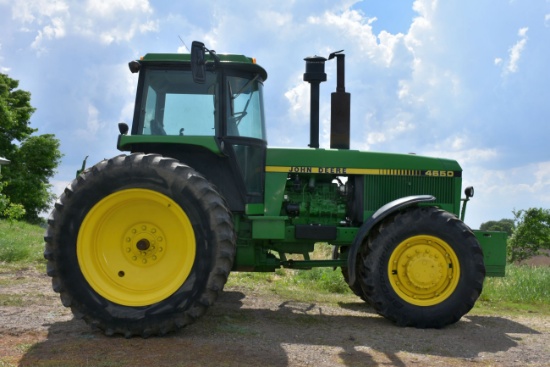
(524, 288)
(316, 285)
(21, 242)
(11, 300)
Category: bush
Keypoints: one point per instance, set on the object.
(14, 212)
(10, 210)
(531, 234)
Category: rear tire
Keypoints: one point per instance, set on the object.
(423, 268)
(139, 245)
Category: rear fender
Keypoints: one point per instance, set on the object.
(376, 218)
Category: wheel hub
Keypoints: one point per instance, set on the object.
(424, 271)
(143, 244)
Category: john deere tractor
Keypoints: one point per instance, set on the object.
(143, 243)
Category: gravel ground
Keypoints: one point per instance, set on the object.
(245, 329)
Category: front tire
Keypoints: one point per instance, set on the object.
(139, 245)
(356, 287)
(423, 268)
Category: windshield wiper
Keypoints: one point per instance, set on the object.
(245, 86)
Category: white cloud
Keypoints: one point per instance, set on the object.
(420, 30)
(541, 185)
(298, 99)
(514, 53)
(381, 49)
(126, 91)
(131, 19)
(93, 125)
(106, 21)
(547, 20)
(275, 18)
(39, 11)
(352, 23)
(388, 47)
(523, 32)
(51, 31)
(425, 8)
(3, 69)
(392, 129)
(459, 148)
(126, 32)
(431, 84)
(498, 192)
(46, 17)
(466, 156)
(113, 8)
(375, 138)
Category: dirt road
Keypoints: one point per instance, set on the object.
(248, 330)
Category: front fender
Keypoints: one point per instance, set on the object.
(377, 217)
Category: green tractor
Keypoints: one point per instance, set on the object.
(143, 243)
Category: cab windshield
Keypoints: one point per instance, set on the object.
(173, 104)
(245, 112)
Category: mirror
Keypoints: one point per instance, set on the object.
(197, 62)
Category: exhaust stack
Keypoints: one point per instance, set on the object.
(340, 102)
(315, 74)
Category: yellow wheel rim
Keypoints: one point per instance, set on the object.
(136, 247)
(424, 270)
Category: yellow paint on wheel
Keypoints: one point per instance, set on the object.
(136, 247)
(424, 270)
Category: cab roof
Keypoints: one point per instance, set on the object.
(230, 61)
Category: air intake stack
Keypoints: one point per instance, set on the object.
(315, 74)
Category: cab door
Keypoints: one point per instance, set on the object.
(244, 132)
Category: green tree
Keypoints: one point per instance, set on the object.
(34, 159)
(503, 225)
(34, 163)
(15, 113)
(531, 234)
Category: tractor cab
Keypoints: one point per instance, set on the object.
(207, 112)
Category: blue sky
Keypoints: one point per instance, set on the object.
(468, 80)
